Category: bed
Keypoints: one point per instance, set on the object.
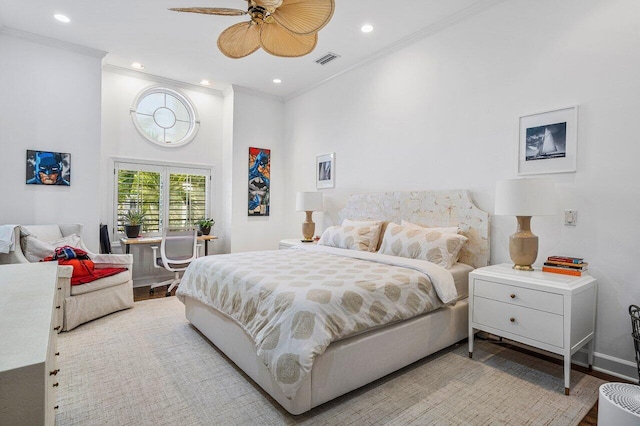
(351, 362)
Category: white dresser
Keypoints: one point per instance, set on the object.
(549, 311)
(28, 357)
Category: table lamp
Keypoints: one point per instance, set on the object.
(308, 202)
(524, 198)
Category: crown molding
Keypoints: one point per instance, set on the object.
(253, 92)
(52, 42)
(417, 36)
(162, 80)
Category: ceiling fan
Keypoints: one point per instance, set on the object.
(287, 28)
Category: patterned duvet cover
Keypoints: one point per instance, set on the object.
(293, 303)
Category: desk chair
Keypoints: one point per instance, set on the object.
(177, 250)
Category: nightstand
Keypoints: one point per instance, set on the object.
(285, 244)
(549, 311)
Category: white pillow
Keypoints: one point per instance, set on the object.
(377, 231)
(444, 230)
(35, 250)
(422, 243)
(363, 238)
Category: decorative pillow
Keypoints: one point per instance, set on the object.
(377, 224)
(444, 230)
(363, 238)
(35, 250)
(422, 243)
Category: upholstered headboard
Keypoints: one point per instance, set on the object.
(428, 208)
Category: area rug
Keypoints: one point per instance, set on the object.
(149, 366)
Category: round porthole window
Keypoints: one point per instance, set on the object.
(164, 116)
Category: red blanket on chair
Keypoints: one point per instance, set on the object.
(84, 270)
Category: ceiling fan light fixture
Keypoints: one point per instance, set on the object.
(277, 81)
(366, 28)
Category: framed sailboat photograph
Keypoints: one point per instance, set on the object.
(548, 141)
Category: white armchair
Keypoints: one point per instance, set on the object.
(84, 302)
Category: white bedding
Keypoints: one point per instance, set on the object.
(281, 298)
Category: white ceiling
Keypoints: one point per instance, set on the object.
(182, 46)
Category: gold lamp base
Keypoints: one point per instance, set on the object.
(308, 228)
(523, 245)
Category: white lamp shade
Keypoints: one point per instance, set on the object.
(525, 197)
(309, 201)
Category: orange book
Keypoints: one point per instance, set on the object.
(565, 271)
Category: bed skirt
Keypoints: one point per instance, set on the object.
(347, 364)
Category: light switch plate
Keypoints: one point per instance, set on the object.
(570, 217)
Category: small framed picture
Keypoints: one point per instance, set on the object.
(548, 142)
(48, 168)
(325, 170)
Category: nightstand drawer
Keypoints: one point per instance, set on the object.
(540, 300)
(529, 323)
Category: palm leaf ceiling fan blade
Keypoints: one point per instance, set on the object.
(240, 40)
(277, 41)
(211, 11)
(304, 16)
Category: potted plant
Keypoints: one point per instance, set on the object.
(204, 225)
(133, 221)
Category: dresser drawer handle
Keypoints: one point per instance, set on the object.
(513, 296)
(512, 319)
(56, 328)
(59, 288)
(54, 372)
(56, 407)
(58, 307)
(57, 354)
(56, 384)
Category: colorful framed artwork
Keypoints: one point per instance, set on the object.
(325, 171)
(48, 168)
(548, 142)
(259, 181)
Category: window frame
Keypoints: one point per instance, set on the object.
(165, 169)
(194, 121)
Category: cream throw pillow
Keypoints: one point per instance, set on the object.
(35, 250)
(377, 231)
(422, 243)
(363, 238)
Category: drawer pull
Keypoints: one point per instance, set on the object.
(57, 354)
(513, 296)
(512, 319)
(56, 407)
(59, 288)
(56, 328)
(54, 372)
(56, 384)
(58, 307)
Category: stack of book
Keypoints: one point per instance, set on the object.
(565, 265)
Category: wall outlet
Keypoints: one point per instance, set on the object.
(570, 217)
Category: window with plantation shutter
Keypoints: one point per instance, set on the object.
(168, 196)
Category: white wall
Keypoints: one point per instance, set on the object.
(51, 102)
(443, 113)
(120, 139)
(257, 122)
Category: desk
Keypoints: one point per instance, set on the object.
(127, 242)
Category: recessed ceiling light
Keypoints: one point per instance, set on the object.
(205, 82)
(137, 65)
(277, 81)
(62, 18)
(366, 28)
